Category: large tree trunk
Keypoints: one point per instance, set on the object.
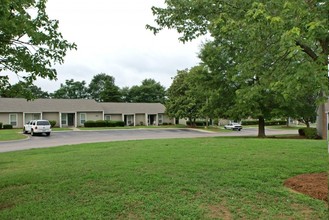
(261, 127)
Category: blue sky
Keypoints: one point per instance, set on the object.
(112, 39)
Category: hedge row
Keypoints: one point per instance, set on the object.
(309, 133)
(268, 123)
(196, 123)
(2, 126)
(7, 127)
(104, 123)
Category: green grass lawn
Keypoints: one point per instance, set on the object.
(11, 134)
(203, 178)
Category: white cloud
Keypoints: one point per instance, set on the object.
(112, 39)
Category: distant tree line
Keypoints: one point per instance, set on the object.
(102, 88)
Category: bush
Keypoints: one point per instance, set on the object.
(0, 125)
(7, 127)
(119, 123)
(197, 123)
(268, 123)
(90, 124)
(311, 133)
(249, 122)
(52, 123)
(301, 132)
(103, 123)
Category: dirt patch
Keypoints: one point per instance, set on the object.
(312, 184)
(219, 211)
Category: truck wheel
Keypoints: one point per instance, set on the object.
(48, 133)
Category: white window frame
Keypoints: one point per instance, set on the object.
(64, 117)
(13, 123)
(82, 121)
(160, 119)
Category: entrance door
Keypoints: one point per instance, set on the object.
(70, 119)
(151, 120)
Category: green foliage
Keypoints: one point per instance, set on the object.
(71, 90)
(265, 59)
(7, 126)
(188, 96)
(309, 133)
(103, 123)
(23, 90)
(52, 123)
(102, 88)
(197, 123)
(29, 41)
(149, 92)
(0, 125)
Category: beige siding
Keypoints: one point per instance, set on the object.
(51, 116)
(4, 117)
(94, 116)
(140, 119)
(166, 119)
(116, 117)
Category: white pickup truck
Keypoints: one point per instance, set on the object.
(234, 126)
(37, 127)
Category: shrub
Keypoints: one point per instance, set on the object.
(101, 123)
(301, 132)
(268, 123)
(311, 133)
(7, 127)
(196, 123)
(90, 124)
(164, 123)
(52, 123)
(0, 125)
(250, 122)
(119, 123)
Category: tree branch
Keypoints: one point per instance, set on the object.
(307, 50)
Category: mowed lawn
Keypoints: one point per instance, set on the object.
(203, 178)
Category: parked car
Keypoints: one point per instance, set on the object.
(37, 127)
(234, 126)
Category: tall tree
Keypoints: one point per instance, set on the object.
(71, 90)
(149, 91)
(102, 88)
(263, 40)
(24, 90)
(30, 42)
(184, 100)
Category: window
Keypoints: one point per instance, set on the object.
(64, 119)
(160, 116)
(83, 117)
(13, 119)
(108, 117)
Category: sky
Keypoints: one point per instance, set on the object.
(112, 39)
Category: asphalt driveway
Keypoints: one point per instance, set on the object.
(78, 137)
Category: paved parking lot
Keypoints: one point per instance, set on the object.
(77, 137)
